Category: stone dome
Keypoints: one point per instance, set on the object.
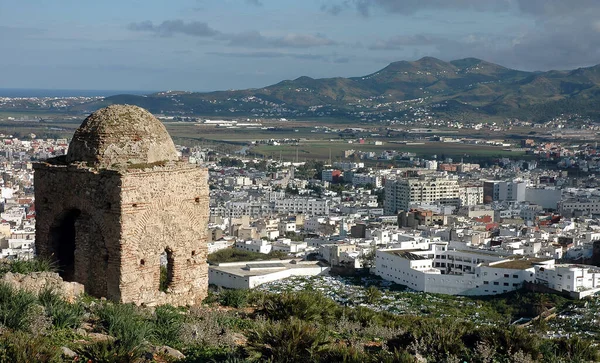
(119, 135)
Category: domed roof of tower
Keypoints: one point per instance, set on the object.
(121, 135)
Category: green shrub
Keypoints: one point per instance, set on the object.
(63, 314)
(124, 322)
(22, 347)
(16, 307)
(37, 264)
(167, 326)
(372, 295)
(292, 340)
(235, 255)
(577, 350)
(105, 351)
(235, 298)
(304, 305)
(204, 354)
(164, 279)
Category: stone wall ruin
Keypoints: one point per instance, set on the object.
(109, 210)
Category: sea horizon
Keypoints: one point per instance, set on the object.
(43, 92)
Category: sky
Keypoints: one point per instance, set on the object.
(205, 45)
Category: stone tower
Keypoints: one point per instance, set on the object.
(120, 202)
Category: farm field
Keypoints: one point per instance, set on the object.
(320, 150)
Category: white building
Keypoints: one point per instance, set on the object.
(455, 272)
(494, 190)
(247, 275)
(401, 193)
(470, 195)
(302, 205)
(259, 246)
(286, 226)
(215, 246)
(578, 280)
(546, 197)
(364, 179)
(579, 206)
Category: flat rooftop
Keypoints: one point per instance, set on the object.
(519, 264)
(258, 269)
(408, 254)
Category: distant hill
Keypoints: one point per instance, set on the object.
(466, 88)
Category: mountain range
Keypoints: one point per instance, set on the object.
(467, 88)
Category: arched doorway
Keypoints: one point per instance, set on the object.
(79, 249)
(62, 235)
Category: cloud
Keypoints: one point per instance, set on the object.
(271, 55)
(172, 27)
(400, 41)
(254, 2)
(257, 40)
(409, 7)
(557, 43)
(248, 39)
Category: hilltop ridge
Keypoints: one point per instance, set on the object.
(469, 88)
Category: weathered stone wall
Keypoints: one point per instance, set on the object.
(126, 220)
(165, 209)
(89, 201)
(37, 282)
(118, 200)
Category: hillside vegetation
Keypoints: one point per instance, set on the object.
(257, 326)
(467, 87)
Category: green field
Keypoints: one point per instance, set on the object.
(320, 150)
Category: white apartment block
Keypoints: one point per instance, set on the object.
(470, 195)
(581, 279)
(494, 190)
(453, 272)
(364, 179)
(401, 193)
(302, 205)
(253, 209)
(571, 207)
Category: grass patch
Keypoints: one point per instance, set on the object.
(63, 314)
(126, 323)
(16, 308)
(22, 347)
(167, 326)
(234, 298)
(235, 255)
(37, 264)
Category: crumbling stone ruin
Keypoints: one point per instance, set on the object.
(118, 203)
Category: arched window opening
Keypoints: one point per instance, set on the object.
(166, 270)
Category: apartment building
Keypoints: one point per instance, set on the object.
(401, 193)
(470, 195)
(302, 205)
(453, 272)
(579, 206)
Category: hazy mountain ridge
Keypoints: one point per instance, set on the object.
(482, 88)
